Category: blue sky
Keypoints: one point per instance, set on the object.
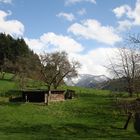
(88, 30)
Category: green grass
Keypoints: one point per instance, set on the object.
(5, 86)
(91, 115)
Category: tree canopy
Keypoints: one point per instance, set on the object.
(56, 67)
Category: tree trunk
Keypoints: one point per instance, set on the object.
(49, 87)
(130, 93)
(130, 87)
(137, 94)
(2, 76)
(129, 117)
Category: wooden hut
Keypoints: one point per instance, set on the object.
(46, 96)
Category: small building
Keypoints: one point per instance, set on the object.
(46, 96)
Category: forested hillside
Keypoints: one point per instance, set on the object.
(17, 58)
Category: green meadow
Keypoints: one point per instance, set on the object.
(90, 115)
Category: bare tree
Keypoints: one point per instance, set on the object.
(126, 64)
(56, 66)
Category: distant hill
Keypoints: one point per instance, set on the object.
(87, 80)
(116, 85)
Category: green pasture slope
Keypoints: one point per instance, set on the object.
(6, 85)
(89, 116)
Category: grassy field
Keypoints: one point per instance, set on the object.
(89, 116)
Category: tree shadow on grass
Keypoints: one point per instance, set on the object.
(137, 123)
(12, 102)
(73, 130)
(9, 80)
(62, 131)
(2, 103)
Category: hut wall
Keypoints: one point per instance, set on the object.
(34, 96)
(57, 96)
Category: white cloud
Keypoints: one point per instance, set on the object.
(136, 13)
(36, 45)
(70, 2)
(95, 61)
(13, 27)
(67, 16)
(6, 1)
(132, 15)
(51, 42)
(124, 25)
(92, 29)
(82, 12)
(122, 10)
(62, 42)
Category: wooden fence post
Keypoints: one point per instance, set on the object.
(46, 98)
(26, 97)
(49, 95)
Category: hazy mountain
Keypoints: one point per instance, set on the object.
(87, 80)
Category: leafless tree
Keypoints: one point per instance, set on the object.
(126, 64)
(56, 66)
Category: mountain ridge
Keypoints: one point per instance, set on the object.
(88, 80)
